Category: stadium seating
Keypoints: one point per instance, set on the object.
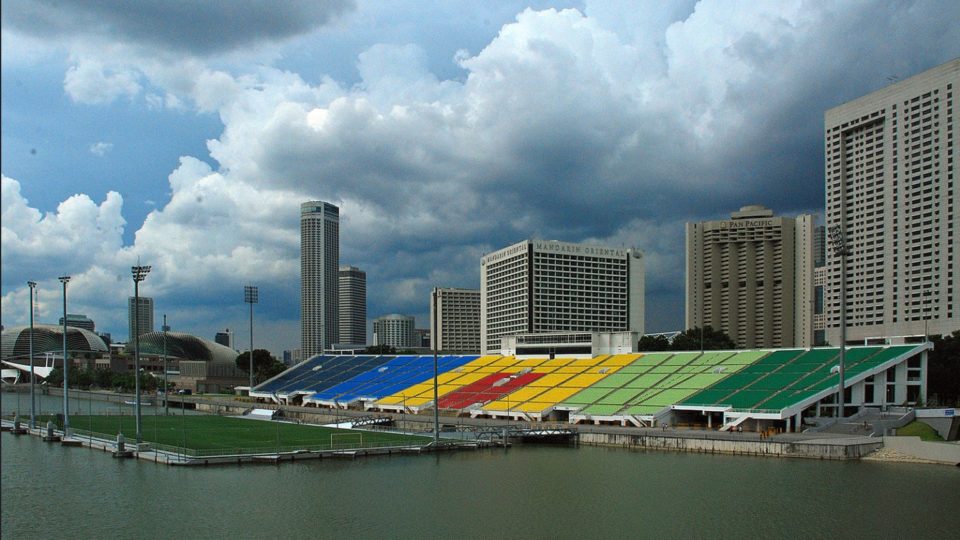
(397, 373)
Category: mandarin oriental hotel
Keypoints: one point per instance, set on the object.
(549, 286)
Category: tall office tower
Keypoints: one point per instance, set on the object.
(548, 286)
(146, 317)
(78, 320)
(223, 338)
(752, 277)
(457, 319)
(891, 159)
(353, 306)
(397, 331)
(319, 276)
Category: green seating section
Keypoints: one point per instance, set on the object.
(787, 377)
(658, 380)
(758, 380)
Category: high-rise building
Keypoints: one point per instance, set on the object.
(819, 281)
(891, 161)
(319, 276)
(79, 320)
(224, 338)
(819, 246)
(423, 337)
(457, 320)
(397, 331)
(353, 306)
(752, 277)
(145, 316)
(549, 286)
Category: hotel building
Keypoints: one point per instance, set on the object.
(539, 286)
(397, 331)
(891, 161)
(752, 277)
(457, 317)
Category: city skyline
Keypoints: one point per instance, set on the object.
(443, 131)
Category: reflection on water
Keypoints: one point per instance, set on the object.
(523, 492)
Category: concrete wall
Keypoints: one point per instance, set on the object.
(940, 452)
(750, 448)
(945, 421)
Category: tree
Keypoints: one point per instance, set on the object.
(264, 364)
(380, 349)
(103, 377)
(653, 343)
(943, 369)
(55, 378)
(689, 340)
(271, 371)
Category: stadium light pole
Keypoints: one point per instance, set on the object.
(251, 295)
(840, 249)
(33, 403)
(66, 374)
(139, 274)
(436, 399)
(166, 399)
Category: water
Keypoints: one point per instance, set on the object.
(523, 492)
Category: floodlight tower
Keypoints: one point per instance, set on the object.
(166, 399)
(33, 403)
(840, 249)
(139, 274)
(435, 338)
(66, 374)
(251, 295)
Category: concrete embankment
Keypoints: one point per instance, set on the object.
(837, 449)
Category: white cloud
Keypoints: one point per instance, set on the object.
(89, 81)
(101, 148)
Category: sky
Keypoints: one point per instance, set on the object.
(184, 135)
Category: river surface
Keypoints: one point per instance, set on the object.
(523, 492)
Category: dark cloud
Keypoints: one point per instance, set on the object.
(610, 130)
(197, 28)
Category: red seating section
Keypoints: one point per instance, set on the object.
(484, 390)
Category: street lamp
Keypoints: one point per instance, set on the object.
(139, 274)
(33, 403)
(840, 249)
(251, 296)
(66, 374)
(166, 399)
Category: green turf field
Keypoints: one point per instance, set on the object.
(198, 435)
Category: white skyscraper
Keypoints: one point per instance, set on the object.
(353, 306)
(891, 162)
(548, 286)
(319, 276)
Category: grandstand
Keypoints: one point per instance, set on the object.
(716, 389)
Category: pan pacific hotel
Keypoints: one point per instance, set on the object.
(551, 287)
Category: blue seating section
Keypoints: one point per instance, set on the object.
(394, 375)
(319, 373)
